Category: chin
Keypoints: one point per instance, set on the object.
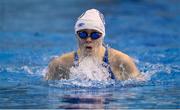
(89, 51)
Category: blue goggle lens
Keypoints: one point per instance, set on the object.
(83, 35)
(93, 35)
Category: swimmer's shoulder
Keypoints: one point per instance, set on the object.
(64, 60)
(119, 56)
(58, 67)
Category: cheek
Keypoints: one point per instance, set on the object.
(81, 42)
(98, 42)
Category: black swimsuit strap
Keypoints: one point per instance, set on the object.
(76, 59)
(106, 63)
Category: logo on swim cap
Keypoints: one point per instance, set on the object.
(81, 24)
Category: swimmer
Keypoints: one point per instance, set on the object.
(90, 33)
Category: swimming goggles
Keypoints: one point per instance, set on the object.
(93, 35)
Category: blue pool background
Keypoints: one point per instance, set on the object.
(34, 31)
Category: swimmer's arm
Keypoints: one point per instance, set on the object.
(56, 71)
(131, 69)
(59, 67)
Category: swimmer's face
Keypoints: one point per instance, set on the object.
(89, 39)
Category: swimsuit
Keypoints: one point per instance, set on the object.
(105, 62)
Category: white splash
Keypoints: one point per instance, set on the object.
(27, 69)
(152, 69)
(89, 69)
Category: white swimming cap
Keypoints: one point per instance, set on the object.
(91, 19)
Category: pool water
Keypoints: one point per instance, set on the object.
(33, 32)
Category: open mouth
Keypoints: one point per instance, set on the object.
(88, 47)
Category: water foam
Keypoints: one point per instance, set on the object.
(90, 69)
(149, 69)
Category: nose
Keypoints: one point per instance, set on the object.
(88, 40)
